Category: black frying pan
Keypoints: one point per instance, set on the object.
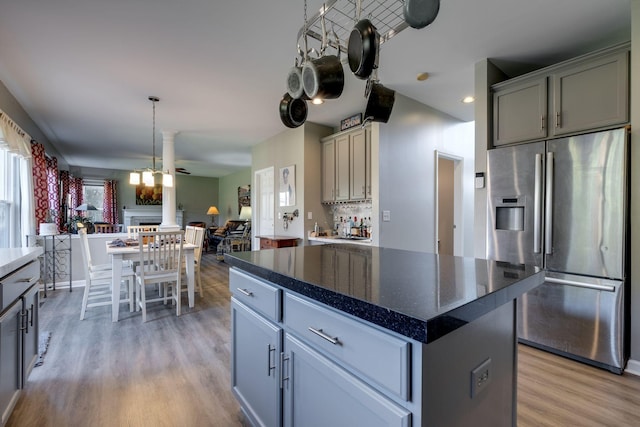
(420, 13)
(362, 51)
(293, 112)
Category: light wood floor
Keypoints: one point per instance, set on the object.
(175, 371)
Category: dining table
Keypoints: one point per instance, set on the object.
(119, 254)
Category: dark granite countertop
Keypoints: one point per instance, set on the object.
(420, 295)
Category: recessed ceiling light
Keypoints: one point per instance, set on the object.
(317, 101)
(422, 77)
(468, 99)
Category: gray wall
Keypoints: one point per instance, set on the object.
(9, 105)
(407, 147)
(228, 197)
(299, 147)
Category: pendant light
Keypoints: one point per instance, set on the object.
(148, 175)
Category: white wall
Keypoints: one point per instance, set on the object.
(407, 174)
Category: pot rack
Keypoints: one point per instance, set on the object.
(340, 16)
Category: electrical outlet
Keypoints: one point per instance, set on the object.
(481, 377)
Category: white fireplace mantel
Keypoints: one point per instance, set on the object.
(148, 215)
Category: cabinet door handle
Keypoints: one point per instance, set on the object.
(283, 359)
(245, 292)
(32, 313)
(270, 348)
(26, 280)
(541, 122)
(558, 119)
(318, 332)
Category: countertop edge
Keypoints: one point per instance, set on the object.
(14, 258)
(425, 331)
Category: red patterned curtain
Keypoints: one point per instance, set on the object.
(40, 186)
(75, 189)
(53, 184)
(110, 203)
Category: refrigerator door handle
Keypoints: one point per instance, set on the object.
(548, 208)
(537, 204)
(596, 287)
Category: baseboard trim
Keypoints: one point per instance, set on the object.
(633, 367)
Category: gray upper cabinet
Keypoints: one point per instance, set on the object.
(520, 112)
(583, 94)
(346, 166)
(591, 95)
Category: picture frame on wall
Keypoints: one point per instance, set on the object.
(149, 195)
(287, 187)
(244, 196)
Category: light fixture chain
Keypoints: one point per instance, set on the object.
(154, 135)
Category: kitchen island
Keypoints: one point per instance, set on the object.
(351, 335)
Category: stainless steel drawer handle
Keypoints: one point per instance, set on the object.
(25, 280)
(245, 292)
(596, 287)
(318, 332)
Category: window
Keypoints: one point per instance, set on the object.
(93, 194)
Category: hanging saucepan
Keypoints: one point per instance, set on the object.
(323, 77)
(295, 87)
(379, 102)
(364, 43)
(420, 13)
(293, 112)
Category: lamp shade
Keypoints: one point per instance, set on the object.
(213, 211)
(86, 207)
(134, 178)
(245, 213)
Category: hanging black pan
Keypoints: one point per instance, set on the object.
(293, 111)
(364, 43)
(420, 13)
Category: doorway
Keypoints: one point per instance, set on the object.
(448, 171)
(264, 204)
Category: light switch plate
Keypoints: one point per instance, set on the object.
(386, 216)
(309, 215)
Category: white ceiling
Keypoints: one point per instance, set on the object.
(83, 69)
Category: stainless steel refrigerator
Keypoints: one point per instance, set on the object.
(562, 205)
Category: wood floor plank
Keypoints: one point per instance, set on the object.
(174, 371)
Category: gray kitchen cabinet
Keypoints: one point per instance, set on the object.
(329, 171)
(582, 94)
(255, 383)
(9, 359)
(520, 112)
(318, 392)
(18, 332)
(591, 94)
(358, 169)
(282, 373)
(346, 166)
(342, 168)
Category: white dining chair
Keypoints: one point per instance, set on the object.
(160, 263)
(195, 235)
(97, 288)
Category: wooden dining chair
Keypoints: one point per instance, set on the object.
(108, 228)
(133, 230)
(98, 277)
(160, 263)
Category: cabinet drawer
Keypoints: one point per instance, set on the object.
(378, 356)
(256, 293)
(16, 283)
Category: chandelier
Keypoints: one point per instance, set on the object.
(149, 174)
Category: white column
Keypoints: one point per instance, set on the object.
(169, 193)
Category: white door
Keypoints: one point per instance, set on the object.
(264, 204)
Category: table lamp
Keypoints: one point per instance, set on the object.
(213, 211)
(245, 213)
